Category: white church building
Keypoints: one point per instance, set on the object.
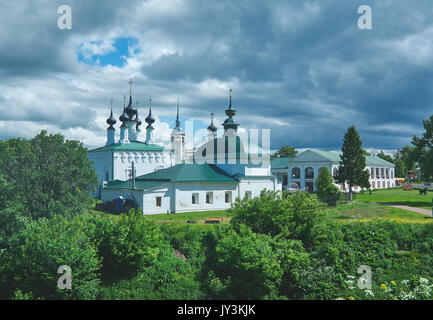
(164, 181)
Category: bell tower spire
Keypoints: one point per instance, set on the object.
(230, 123)
(178, 139)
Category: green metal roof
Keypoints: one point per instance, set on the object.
(189, 172)
(133, 145)
(241, 176)
(334, 156)
(280, 163)
(139, 185)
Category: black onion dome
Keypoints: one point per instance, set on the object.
(130, 111)
(149, 119)
(111, 120)
(212, 127)
(124, 116)
(138, 120)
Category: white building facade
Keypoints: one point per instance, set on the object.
(304, 169)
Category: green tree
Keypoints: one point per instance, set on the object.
(424, 149)
(285, 152)
(46, 175)
(409, 155)
(400, 168)
(352, 165)
(325, 189)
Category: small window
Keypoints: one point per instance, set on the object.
(228, 197)
(194, 198)
(106, 175)
(248, 195)
(209, 197)
(158, 201)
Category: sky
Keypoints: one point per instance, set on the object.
(301, 68)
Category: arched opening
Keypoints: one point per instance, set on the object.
(309, 173)
(296, 173)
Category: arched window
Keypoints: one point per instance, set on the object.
(309, 173)
(373, 185)
(296, 173)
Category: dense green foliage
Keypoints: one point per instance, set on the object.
(352, 165)
(274, 248)
(44, 175)
(285, 152)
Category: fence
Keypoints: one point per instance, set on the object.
(335, 201)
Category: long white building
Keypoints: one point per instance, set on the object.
(304, 169)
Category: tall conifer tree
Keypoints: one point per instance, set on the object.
(352, 164)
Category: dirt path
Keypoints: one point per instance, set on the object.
(413, 209)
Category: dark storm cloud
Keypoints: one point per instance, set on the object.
(301, 68)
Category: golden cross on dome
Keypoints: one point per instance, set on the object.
(150, 101)
(130, 86)
(231, 92)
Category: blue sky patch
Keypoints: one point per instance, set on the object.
(103, 53)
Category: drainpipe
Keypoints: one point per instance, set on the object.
(133, 175)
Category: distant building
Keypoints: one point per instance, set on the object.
(304, 169)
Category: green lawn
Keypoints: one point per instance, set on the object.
(399, 197)
(359, 210)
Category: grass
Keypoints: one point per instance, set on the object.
(399, 197)
(358, 210)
